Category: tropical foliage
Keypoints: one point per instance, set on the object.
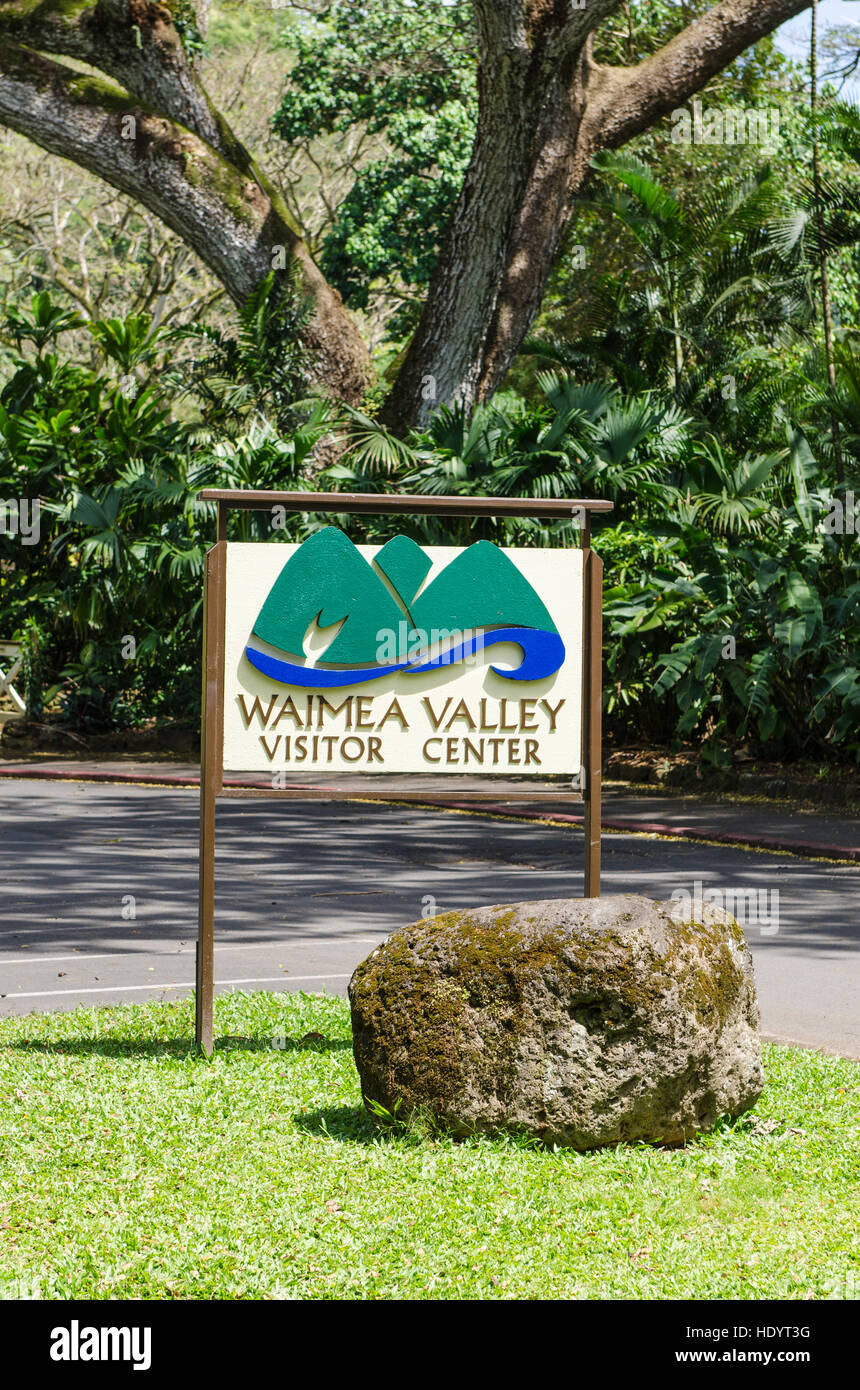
(733, 606)
(678, 367)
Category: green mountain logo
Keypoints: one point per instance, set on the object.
(388, 622)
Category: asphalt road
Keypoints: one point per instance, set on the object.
(304, 891)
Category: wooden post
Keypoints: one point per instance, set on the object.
(211, 780)
(592, 695)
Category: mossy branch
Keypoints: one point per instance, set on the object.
(224, 213)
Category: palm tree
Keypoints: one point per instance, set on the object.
(701, 289)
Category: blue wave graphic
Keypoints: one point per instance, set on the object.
(543, 654)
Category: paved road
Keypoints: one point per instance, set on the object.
(305, 890)
(774, 825)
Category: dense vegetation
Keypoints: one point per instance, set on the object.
(680, 366)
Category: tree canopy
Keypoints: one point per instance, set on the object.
(547, 101)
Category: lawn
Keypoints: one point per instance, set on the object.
(131, 1168)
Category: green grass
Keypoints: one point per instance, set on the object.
(131, 1168)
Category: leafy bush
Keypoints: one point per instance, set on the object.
(111, 597)
(732, 606)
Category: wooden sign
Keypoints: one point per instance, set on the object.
(400, 658)
(332, 658)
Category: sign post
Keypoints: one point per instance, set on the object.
(332, 658)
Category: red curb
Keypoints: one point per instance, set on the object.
(805, 848)
(164, 779)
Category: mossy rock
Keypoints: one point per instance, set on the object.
(582, 1021)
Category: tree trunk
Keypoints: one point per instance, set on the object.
(529, 156)
(545, 107)
(515, 195)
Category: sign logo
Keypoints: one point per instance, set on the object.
(387, 623)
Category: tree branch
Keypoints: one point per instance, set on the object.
(133, 41)
(622, 102)
(560, 27)
(581, 22)
(235, 225)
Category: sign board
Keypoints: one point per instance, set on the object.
(333, 658)
(402, 658)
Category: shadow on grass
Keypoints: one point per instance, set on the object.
(352, 1124)
(172, 1047)
(349, 1124)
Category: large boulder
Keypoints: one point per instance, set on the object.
(584, 1021)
